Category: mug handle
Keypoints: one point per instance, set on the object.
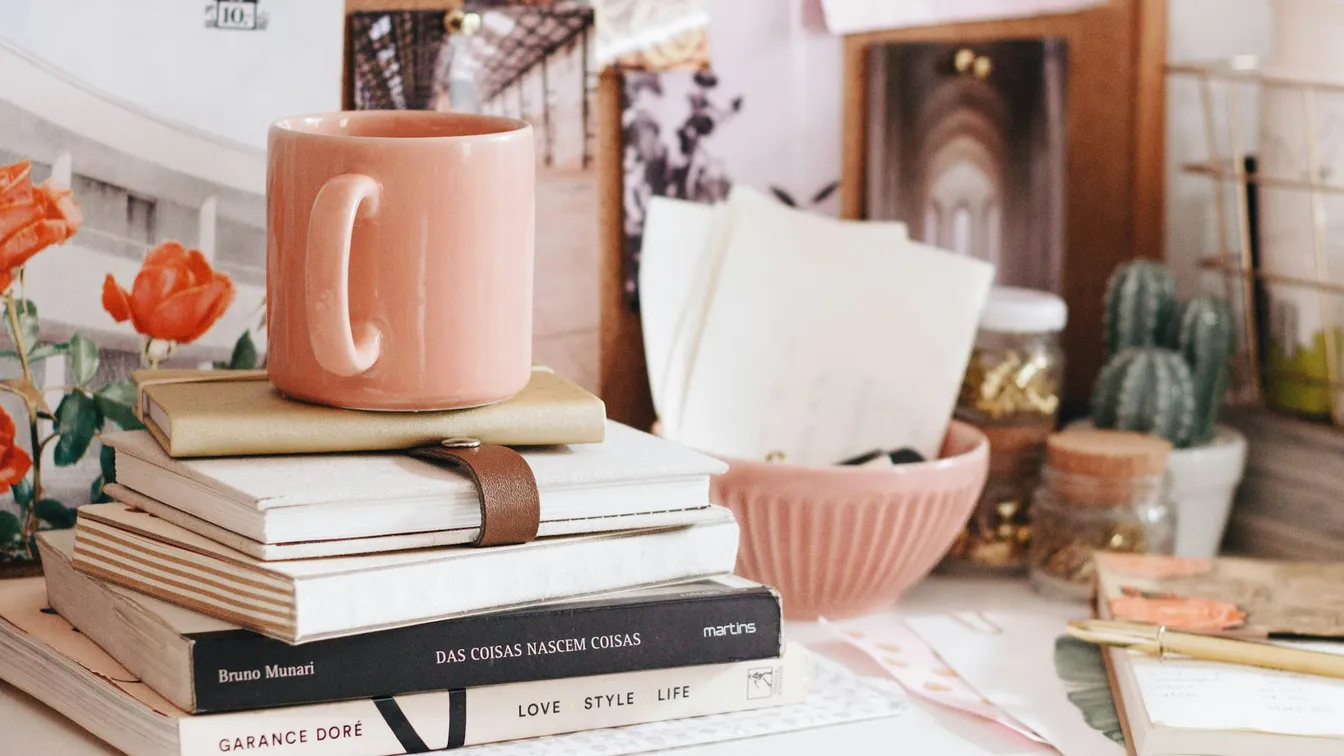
(335, 344)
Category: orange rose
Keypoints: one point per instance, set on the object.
(1194, 615)
(14, 462)
(31, 218)
(1156, 566)
(176, 295)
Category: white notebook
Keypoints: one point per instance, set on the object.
(310, 599)
(324, 497)
(270, 552)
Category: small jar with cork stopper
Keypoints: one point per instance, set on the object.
(1101, 490)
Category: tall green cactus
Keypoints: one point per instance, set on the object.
(1205, 337)
(1140, 297)
(1147, 389)
(1167, 361)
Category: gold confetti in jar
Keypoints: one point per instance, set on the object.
(1011, 392)
(1101, 490)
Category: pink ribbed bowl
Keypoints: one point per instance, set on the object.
(842, 541)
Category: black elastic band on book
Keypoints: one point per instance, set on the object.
(457, 718)
(400, 725)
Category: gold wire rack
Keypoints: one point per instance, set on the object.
(1231, 93)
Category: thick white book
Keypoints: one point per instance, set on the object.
(321, 497)
(41, 655)
(310, 599)
(268, 552)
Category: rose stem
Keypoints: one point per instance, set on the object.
(19, 346)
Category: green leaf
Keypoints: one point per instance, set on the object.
(107, 460)
(27, 314)
(96, 495)
(77, 419)
(244, 353)
(10, 529)
(23, 494)
(121, 392)
(44, 351)
(10, 354)
(83, 358)
(55, 513)
(116, 402)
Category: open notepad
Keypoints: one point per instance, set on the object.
(1178, 706)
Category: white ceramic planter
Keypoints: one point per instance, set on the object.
(1204, 482)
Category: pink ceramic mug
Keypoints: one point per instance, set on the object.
(399, 259)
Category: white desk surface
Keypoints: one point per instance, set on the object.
(924, 729)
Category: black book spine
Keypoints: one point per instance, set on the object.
(238, 669)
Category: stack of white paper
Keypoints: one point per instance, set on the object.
(770, 329)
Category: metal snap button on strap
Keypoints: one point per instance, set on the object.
(505, 486)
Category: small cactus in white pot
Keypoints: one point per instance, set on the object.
(1166, 374)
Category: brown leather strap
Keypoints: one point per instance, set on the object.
(510, 506)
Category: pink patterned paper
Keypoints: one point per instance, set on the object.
(919, 670)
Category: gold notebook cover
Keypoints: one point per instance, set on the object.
(1226, 595)
(209, 413)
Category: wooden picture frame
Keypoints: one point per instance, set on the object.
(623, 375)
(1115, 173)
(1115, 122)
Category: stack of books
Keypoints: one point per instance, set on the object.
(329, 602)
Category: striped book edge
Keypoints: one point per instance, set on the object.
(209, 586)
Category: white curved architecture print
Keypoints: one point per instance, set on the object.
(141, 179)
(158, 123)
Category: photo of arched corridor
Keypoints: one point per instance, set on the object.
(967, 147)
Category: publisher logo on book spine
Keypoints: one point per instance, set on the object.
(235, 14)
(761, 682)
(732, 628)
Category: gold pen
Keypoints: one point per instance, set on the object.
(1157, 640)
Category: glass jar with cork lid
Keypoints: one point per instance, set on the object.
(1011, 393)
(1101, 490)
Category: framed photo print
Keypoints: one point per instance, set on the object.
(957, 129)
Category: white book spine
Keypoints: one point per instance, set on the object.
(440, 720)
